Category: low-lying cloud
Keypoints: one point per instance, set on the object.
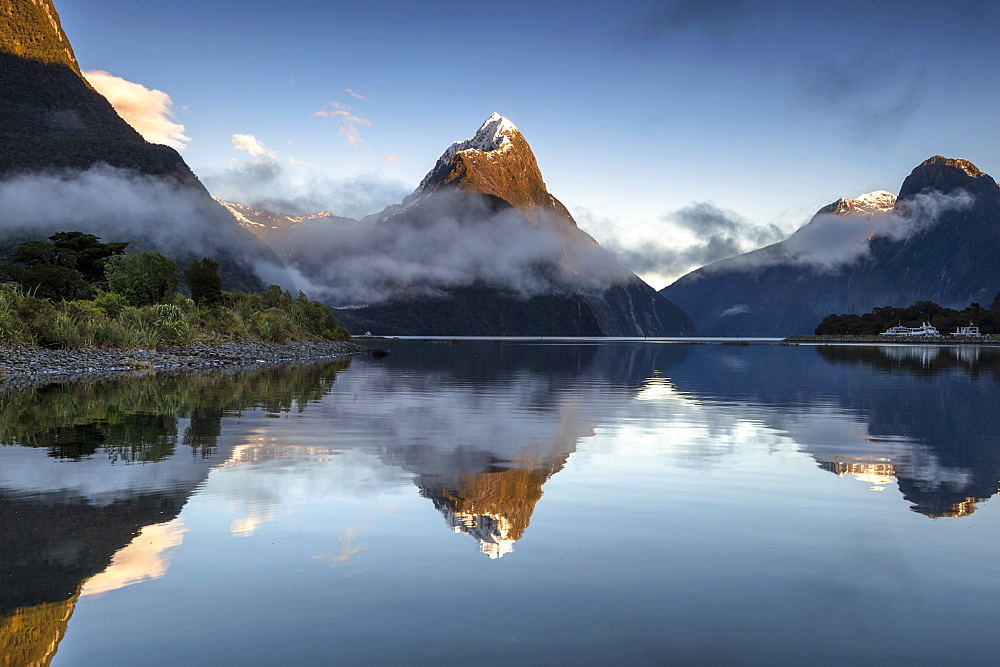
(152, 213)
(830, 241)
(445, 242)
(148, 110)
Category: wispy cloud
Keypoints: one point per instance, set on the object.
(667, 16)
(354, 94)
(148, 110)
(870, 90)
(390, 158)
(349, 122)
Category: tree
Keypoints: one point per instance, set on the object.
(87, 252)
(51, 281)
(203, 278)
(143, 278)
(65, 267)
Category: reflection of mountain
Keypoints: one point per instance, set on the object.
(100, 464)
(494, 507)
(31, 635)
(502, 420)
(910, 414)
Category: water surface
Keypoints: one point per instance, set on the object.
(515, 501)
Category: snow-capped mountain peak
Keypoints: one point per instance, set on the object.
(879, 201)
(493, 135)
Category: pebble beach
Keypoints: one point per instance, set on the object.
(31, 363)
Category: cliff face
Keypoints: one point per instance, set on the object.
(947, 234)
(52, 118)
(31, 29)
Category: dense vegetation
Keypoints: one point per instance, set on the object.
(944, 319)
(76, 291)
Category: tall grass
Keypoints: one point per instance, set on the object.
(106, 321)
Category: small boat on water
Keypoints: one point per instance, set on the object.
(925, 329)
(971, 330)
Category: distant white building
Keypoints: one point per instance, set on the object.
(971, 330)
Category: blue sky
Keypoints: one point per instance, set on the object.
(635, 111)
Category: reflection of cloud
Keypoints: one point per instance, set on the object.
(147, 110)
(260, 512)
(348, 548)
(144, 558)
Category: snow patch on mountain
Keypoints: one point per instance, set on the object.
(260, 222)
(879, 201)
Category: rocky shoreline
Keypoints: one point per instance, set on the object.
(31, 363)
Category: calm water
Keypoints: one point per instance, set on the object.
(536, 502)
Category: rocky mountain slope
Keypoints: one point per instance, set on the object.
(55, 126)
(936, 241)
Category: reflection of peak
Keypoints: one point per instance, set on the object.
(493, 507)
(31, 635)
(492, 532)
(959, 509)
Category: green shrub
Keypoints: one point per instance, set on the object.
(143, 278)
(110, 303)
(271, 326)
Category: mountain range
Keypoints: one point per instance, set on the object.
(937, 240)
(479, 248)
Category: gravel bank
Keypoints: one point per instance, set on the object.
(29, 362)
